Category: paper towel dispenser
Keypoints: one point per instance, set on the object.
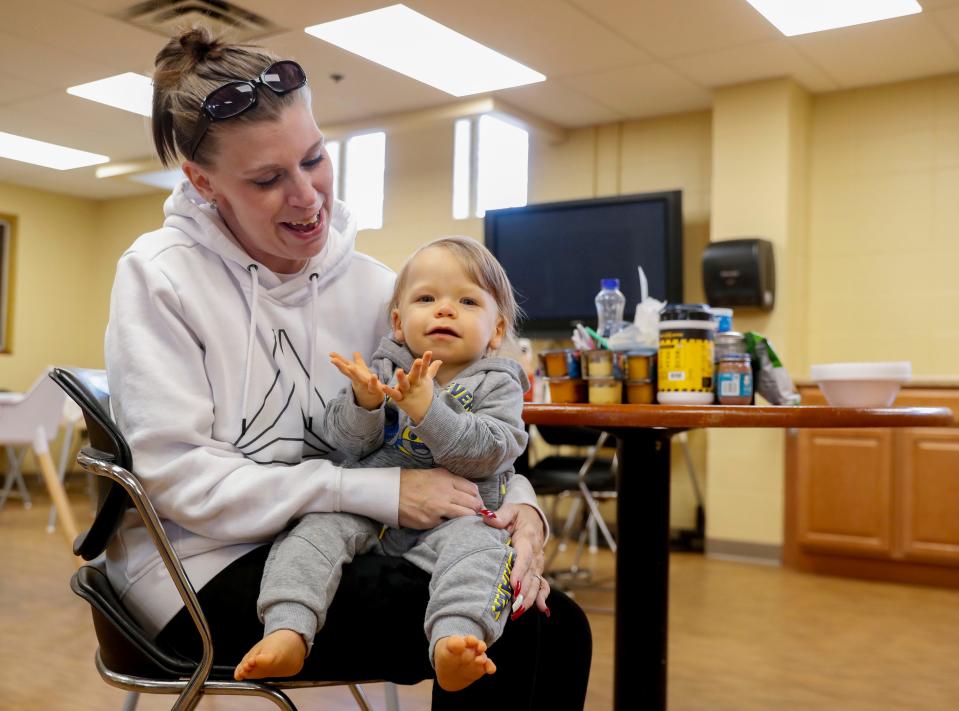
(740, 273)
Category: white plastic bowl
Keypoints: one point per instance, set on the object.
(861, 384)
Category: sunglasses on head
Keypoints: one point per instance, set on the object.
(234, 98)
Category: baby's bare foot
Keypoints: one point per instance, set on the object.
(460, 661)
(280, 653)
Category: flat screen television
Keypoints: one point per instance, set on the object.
(556, 253)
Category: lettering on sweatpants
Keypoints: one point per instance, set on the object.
(504, 591)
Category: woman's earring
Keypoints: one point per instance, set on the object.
(213, 204)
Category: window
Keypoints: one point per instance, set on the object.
(359, 171)
(490, 165)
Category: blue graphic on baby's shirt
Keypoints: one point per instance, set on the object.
(412, 445)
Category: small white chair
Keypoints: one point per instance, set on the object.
(32, 420)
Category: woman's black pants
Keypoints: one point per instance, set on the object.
(374, 630)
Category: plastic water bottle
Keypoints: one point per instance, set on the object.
(610, 303)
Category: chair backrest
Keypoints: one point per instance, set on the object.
(41, 406)
(88, 389)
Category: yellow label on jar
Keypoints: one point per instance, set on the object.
(685, 362)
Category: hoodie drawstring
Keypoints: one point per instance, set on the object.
(255, 287)
(315, 288)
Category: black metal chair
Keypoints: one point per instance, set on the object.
(126, 657)
(587, 479)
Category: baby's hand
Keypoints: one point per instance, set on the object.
(414, 392)
(366, 386)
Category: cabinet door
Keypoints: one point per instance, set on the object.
(929, 495)
(845, 491)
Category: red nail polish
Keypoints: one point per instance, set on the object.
(515, 615)
(547, 613)
(519, 587)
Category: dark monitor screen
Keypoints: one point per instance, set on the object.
(556, 253)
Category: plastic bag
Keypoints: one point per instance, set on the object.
(772, 380)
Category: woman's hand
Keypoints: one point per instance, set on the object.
(429, 496)
(528, 540)
(366, 386)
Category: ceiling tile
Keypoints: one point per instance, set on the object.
(559, 104)
(120, 134)
(53, 129)
(84, 32)
(553, 37)
(753, 62)
(880, 52)
(640, 91)
(678, 27)
(948, 22)
(365, 90)
(45, 66)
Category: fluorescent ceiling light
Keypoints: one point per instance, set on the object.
(166, 179)
(799, 17)
(127, 91)
(48, 155)
(410, 43)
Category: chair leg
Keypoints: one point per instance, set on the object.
(359, 696)
(593, 545)
(597, 516)
(15, 477)
(392, 696)
(131, 700)
(61, 472)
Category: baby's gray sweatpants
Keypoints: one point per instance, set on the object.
(470, 564)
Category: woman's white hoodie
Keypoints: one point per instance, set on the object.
(219, 373)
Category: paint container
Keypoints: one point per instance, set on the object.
(560, 363)
(685, 367)
(640, 392)
(641, 364)
(599, 363)
(566, 390)
(605, 391)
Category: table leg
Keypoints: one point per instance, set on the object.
(57, 493)
(642, 556)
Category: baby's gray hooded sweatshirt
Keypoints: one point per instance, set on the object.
(474, 427)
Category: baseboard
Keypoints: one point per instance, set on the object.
(744, 551)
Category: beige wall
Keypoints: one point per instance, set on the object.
(884, 226)
(54, 255)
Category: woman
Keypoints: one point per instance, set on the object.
(219, 326)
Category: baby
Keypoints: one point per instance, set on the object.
(432, 396)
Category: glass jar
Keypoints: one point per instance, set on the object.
(730, 342)
(734, 379)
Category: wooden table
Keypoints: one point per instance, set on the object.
(643, 433)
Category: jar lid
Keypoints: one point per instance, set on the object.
(729, 337)
(685, 312)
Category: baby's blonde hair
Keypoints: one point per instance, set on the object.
(483, 270)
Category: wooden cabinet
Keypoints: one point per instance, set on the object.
(928, 495)
(876, 503)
